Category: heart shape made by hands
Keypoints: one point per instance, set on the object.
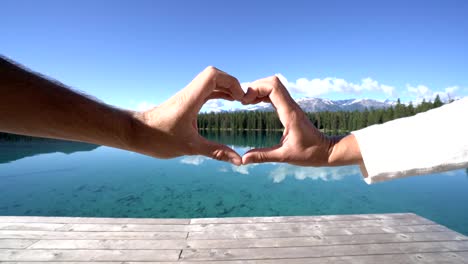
(175, 123)
(302, 143)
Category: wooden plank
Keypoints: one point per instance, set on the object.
(92, 220)
(323, 251)
(110, 244)
(325, 240)
(247, 234)
(290, 219)
(31, 226)
(326, 218)
(89, 255)
(247, 243)
(79, 262)
(464, 254)
(379, 238)
(215, 227)
(90, 235)
(16, 243)
(420, 258)
(307, 225)
(126, 228)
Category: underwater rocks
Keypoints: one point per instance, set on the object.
(129, 200)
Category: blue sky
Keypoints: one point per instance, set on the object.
(134, 53)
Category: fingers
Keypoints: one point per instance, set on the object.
(272, 88)
(277, 94)
(210, 81)
(218, 151)
(250, 96)
(261, 155)
(228, 84)
(219, 95)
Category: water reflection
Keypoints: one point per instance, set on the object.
(11, 151)
(221, 167)
(278, 171)
(257, 139)
(244, 169)
(324, 173)
(193, 160)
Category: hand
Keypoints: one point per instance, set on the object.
(170, 130)
(302, 143)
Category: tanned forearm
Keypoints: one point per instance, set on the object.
(33, 105)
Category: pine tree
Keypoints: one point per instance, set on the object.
(399, 110)
(437, 102)
(410, 109)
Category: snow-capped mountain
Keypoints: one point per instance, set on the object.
(320, 105)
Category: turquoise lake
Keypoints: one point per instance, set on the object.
(75, 179)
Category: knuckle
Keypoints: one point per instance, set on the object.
(218, 154)
(261, 157)
(276, 83)
(274, 79)
(211, 69)
(235, 80)
(210, 73)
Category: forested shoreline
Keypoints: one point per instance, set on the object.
(329, 122)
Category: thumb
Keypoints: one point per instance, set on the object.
(218, 151)
(273, 154)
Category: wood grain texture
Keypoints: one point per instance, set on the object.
(323, 251)
(89, 255)
(92, 220)
(291, 219)
(16, 243)
(90, 235)
(376, 238)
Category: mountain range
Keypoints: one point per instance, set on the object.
(320, 105)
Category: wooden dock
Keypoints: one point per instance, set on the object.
(378, 238)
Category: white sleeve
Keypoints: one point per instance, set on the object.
(429, 142)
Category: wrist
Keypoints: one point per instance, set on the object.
(333, 150)
(344, 151)
(146, 137)
(139, 135)
(133, 130)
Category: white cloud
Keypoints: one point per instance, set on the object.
(218, 105)
(317, 87)
(193, 160)
(300, 173)
(215, 103)
(423, 92)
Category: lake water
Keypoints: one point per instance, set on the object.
(74, 179)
